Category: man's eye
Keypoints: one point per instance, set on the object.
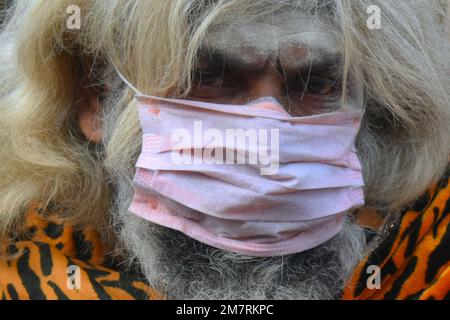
(322, 86)
(208, 78)
(212, 84)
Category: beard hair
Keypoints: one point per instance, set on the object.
(183, 268)
(180, 267)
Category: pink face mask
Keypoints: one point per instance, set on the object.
(248, 179)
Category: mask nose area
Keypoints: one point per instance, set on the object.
(268, 103)
(264, 100)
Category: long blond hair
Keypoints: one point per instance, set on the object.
(404, 143)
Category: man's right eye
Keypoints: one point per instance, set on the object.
(212, 84)
(208, 78)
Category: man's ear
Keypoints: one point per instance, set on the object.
(90, 105)
(89, 118)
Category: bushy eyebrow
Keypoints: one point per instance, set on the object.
(319, 60)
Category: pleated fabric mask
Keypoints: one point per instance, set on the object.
(250, 178)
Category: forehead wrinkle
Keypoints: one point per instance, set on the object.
(295, 39)
(317, 57)
(293, 57)
(245, 58)
(322, 61)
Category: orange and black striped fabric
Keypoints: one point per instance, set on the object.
(39, 264)
(414, 259)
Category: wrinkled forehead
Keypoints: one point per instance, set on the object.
(290, 36)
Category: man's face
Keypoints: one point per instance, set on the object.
(293, 58)
(296, 60)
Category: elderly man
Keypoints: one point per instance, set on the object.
(258, 149)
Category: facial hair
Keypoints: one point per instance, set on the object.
(183, 268)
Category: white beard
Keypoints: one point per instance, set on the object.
(183, 268)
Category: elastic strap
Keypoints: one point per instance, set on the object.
(128, 83)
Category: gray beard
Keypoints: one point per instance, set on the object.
(183, 268)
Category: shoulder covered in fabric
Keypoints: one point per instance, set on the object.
(413, 262)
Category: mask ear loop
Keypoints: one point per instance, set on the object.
(128, 83)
